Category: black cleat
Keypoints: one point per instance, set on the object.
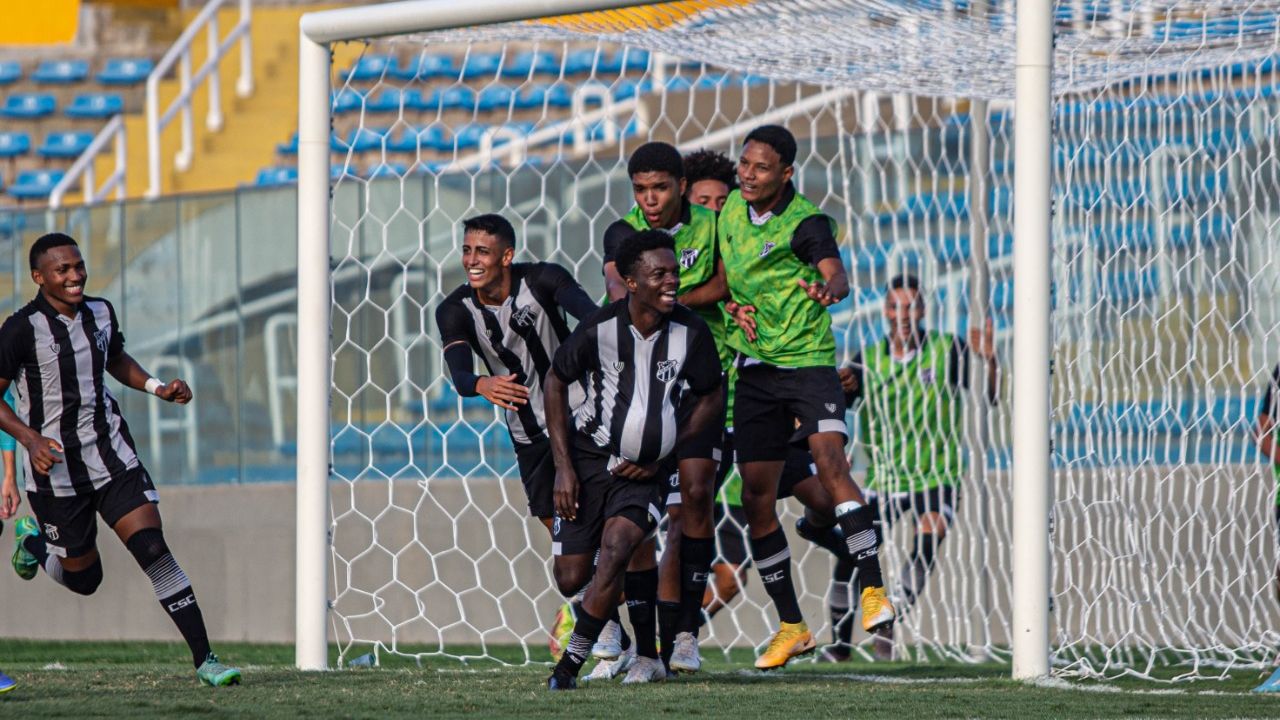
(831, 538)
(562, 681)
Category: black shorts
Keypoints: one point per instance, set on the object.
(797, 468)
(775, 406)
(538, 474)
(603, 495)
(67, 523)
(890, 507)
(731, 535)
(706, 444)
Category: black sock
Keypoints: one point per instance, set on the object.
(773, 562)
(642, 600)
(172, 589)
(860, 535)
(917, 568)
(616, 616)
(668, 620)
(35, 545)
(842, 602)
(586, 630)
(830, 538)
(695, 567)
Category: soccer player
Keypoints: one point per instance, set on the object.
(783, 270)
(658, 183)
(709, 176)
(643, 359)
(9, 499)
(80, 456)
(1268, 438)
(910, 386)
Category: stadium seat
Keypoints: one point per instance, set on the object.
(276, 176)
(125, 71)
(359, 140)
(531, 62)
(427, 67)
(10, 72)
(35, 184)
(495, 97)
(385, 170)
(468, 136)
(370, 68)
(392, 100)
(95, 106)
(626, 88)
(1125, 287)
(580, 62)
(64, 144)
(339, 170)
(61, 72)
(559, 95)
(481, 64)
(624, 60)
(348, 100)
(958, 248)
(14, 144)
(29, 106)
(432, 137)
(453, 98)
(678, 83)
(290, 147)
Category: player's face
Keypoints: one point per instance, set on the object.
(655, 280)
(904, 310)
(61, 275)
(709, 194)
(485, 258)
(760, 172)
(658, 195)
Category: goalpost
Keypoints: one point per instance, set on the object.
(1130, 147)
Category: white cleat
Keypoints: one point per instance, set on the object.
(645, 670)
(609, 645)
(684, 654)
(610, 669)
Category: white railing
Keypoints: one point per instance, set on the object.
(180, 54)
(82, 169)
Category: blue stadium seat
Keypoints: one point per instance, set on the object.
(1126, 287)
(339, 170)
(481, 64)
(10, 72)
(392, 100)
(679, 83)
(410, 140)
(125, 71)
(580, 62)
(290, 147)
(468, 136)
(64, 145)
(958, 248)
(61, 72)
(495, 97)
(559, 95)
(14, 144)
(625, 60)
(453, 98)
(370, 68)
(348, 100)
(276, 176)
(386, 170)
(35, 184)
(95, 106)
(626, 88)
(531, 62)
(427, 67)
(359, 140)
(29, 106)
(531, 97)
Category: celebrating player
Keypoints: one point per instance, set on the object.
(709, 176)
(783, 270)
(80, 455)
(635, 356)
(9, 498)
(1268, 438)
(658, 183)
(910, 386)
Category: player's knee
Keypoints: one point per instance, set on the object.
(83, 582)
(932, 523)
(147, 546)
(570, 579)
(831, 461)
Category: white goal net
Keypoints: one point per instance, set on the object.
(1166, 315)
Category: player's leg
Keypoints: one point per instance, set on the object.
(668, 607)
(538, 475)
(729, 572)
(935, 511)
(128, 504)
(62, 539)
(818, 523)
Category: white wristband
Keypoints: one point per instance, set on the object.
(153, 385)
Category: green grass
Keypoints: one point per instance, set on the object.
(120, 679)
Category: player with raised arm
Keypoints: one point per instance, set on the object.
(81, 459)
(910, 386)
(653, 383)
(513, 316)
(658, 184)
(783, 270)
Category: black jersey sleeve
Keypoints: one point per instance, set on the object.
(554, 282)
(1271, 397)
(577, 355)
(116, 346)
(614, 235)
(958, 365)
(702, 364)
(453, 322)
(814, 240)
(16, 340)
(859, 373)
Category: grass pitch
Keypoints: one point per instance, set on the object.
(134, 680)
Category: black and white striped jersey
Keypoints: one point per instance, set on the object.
(57, 366)
(520, 336)
(634, 383)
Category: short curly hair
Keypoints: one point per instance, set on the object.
(639, 244)
(709, 165)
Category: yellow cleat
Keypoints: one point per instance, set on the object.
(561, 629)
(877, 611)
(791, 640)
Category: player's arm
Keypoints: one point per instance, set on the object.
(715, 289)
(814, 242)
(569, 363)
(565, 290)
(9, 497)
(1266, 430)
(132, 375)
(502, 390)
(40, 449)
(981, 343)
(851, 380)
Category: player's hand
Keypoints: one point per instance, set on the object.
(819, 293)
(632, 471)
(848, 380)
(40, 450)
(503, 391)
(982, 342)
(744, 315)
(565, 494)
(10, 498)
(176, 391)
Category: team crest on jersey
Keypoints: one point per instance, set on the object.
(101, 338)
(688, 257)
(926, 376)
(667, 370)
(555, 526)
(768, 247)
(55, 348)
(524, 316)
(51, 531)
(831, 407)
(618, 365)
